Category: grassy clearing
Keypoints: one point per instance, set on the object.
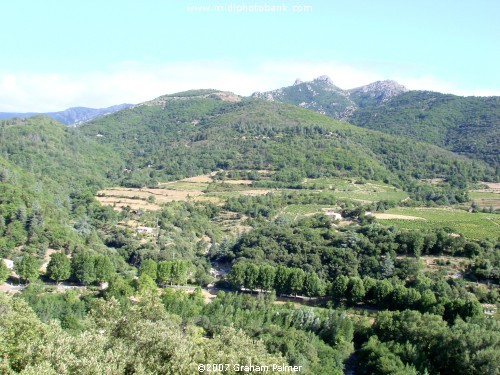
(370, 191)
(184, 185)
(472, 225)
(305, 209)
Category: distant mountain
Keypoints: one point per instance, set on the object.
(71, 116)
(465, 125)
(320, 95)
(323, 96)
(376, 93)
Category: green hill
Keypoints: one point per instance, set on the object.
(55, 153)
(47, 171)
(186, 134)
(465, 125)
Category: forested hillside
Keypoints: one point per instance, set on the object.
(189, 134)
(204, 228)
(48, 176)
(469, 126)
(466, 125)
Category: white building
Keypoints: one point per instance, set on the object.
(8, 263)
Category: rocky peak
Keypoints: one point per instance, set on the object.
(298, 81)
(324, 79)
(381, 89)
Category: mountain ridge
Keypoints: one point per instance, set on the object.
(71, 116)
(465, 125)
(173, 139)
(322, 95)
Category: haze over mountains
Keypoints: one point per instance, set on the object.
(70, 116)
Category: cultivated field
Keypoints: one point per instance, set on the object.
(207, 188)
(473, 225)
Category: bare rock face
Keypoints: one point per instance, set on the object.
(380, 90)
(324, 79)
(323, 96)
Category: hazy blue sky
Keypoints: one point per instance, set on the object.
(60, 53)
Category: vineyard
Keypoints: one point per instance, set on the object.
(473, 225)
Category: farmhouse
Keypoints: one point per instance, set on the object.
(145, 230)
(332, 215)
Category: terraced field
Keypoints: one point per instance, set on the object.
(208, 188)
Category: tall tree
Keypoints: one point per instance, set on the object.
(312, 285)
(148, 267)
(339, 287)
(4, 272)
(164, 272)
(296, 280)
(59, 267)
(104, 269)
(355, 290)
(83, 267)
(387, 267)
(237, 275)
(251, 276)
(266, 277)
(180, 269)
(281, 280)
(27, 268)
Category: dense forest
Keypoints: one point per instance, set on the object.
(276, 256)
(464, 125)
(467, 126)
(178, 136)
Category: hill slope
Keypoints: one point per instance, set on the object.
(465, 125)
(48, 176)
(180, 135)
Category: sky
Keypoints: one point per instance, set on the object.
(56, 54)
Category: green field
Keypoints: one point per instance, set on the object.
(486, 199)
(472, 225)
(294, 210)
(369, 191)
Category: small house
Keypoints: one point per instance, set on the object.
(145, 230)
